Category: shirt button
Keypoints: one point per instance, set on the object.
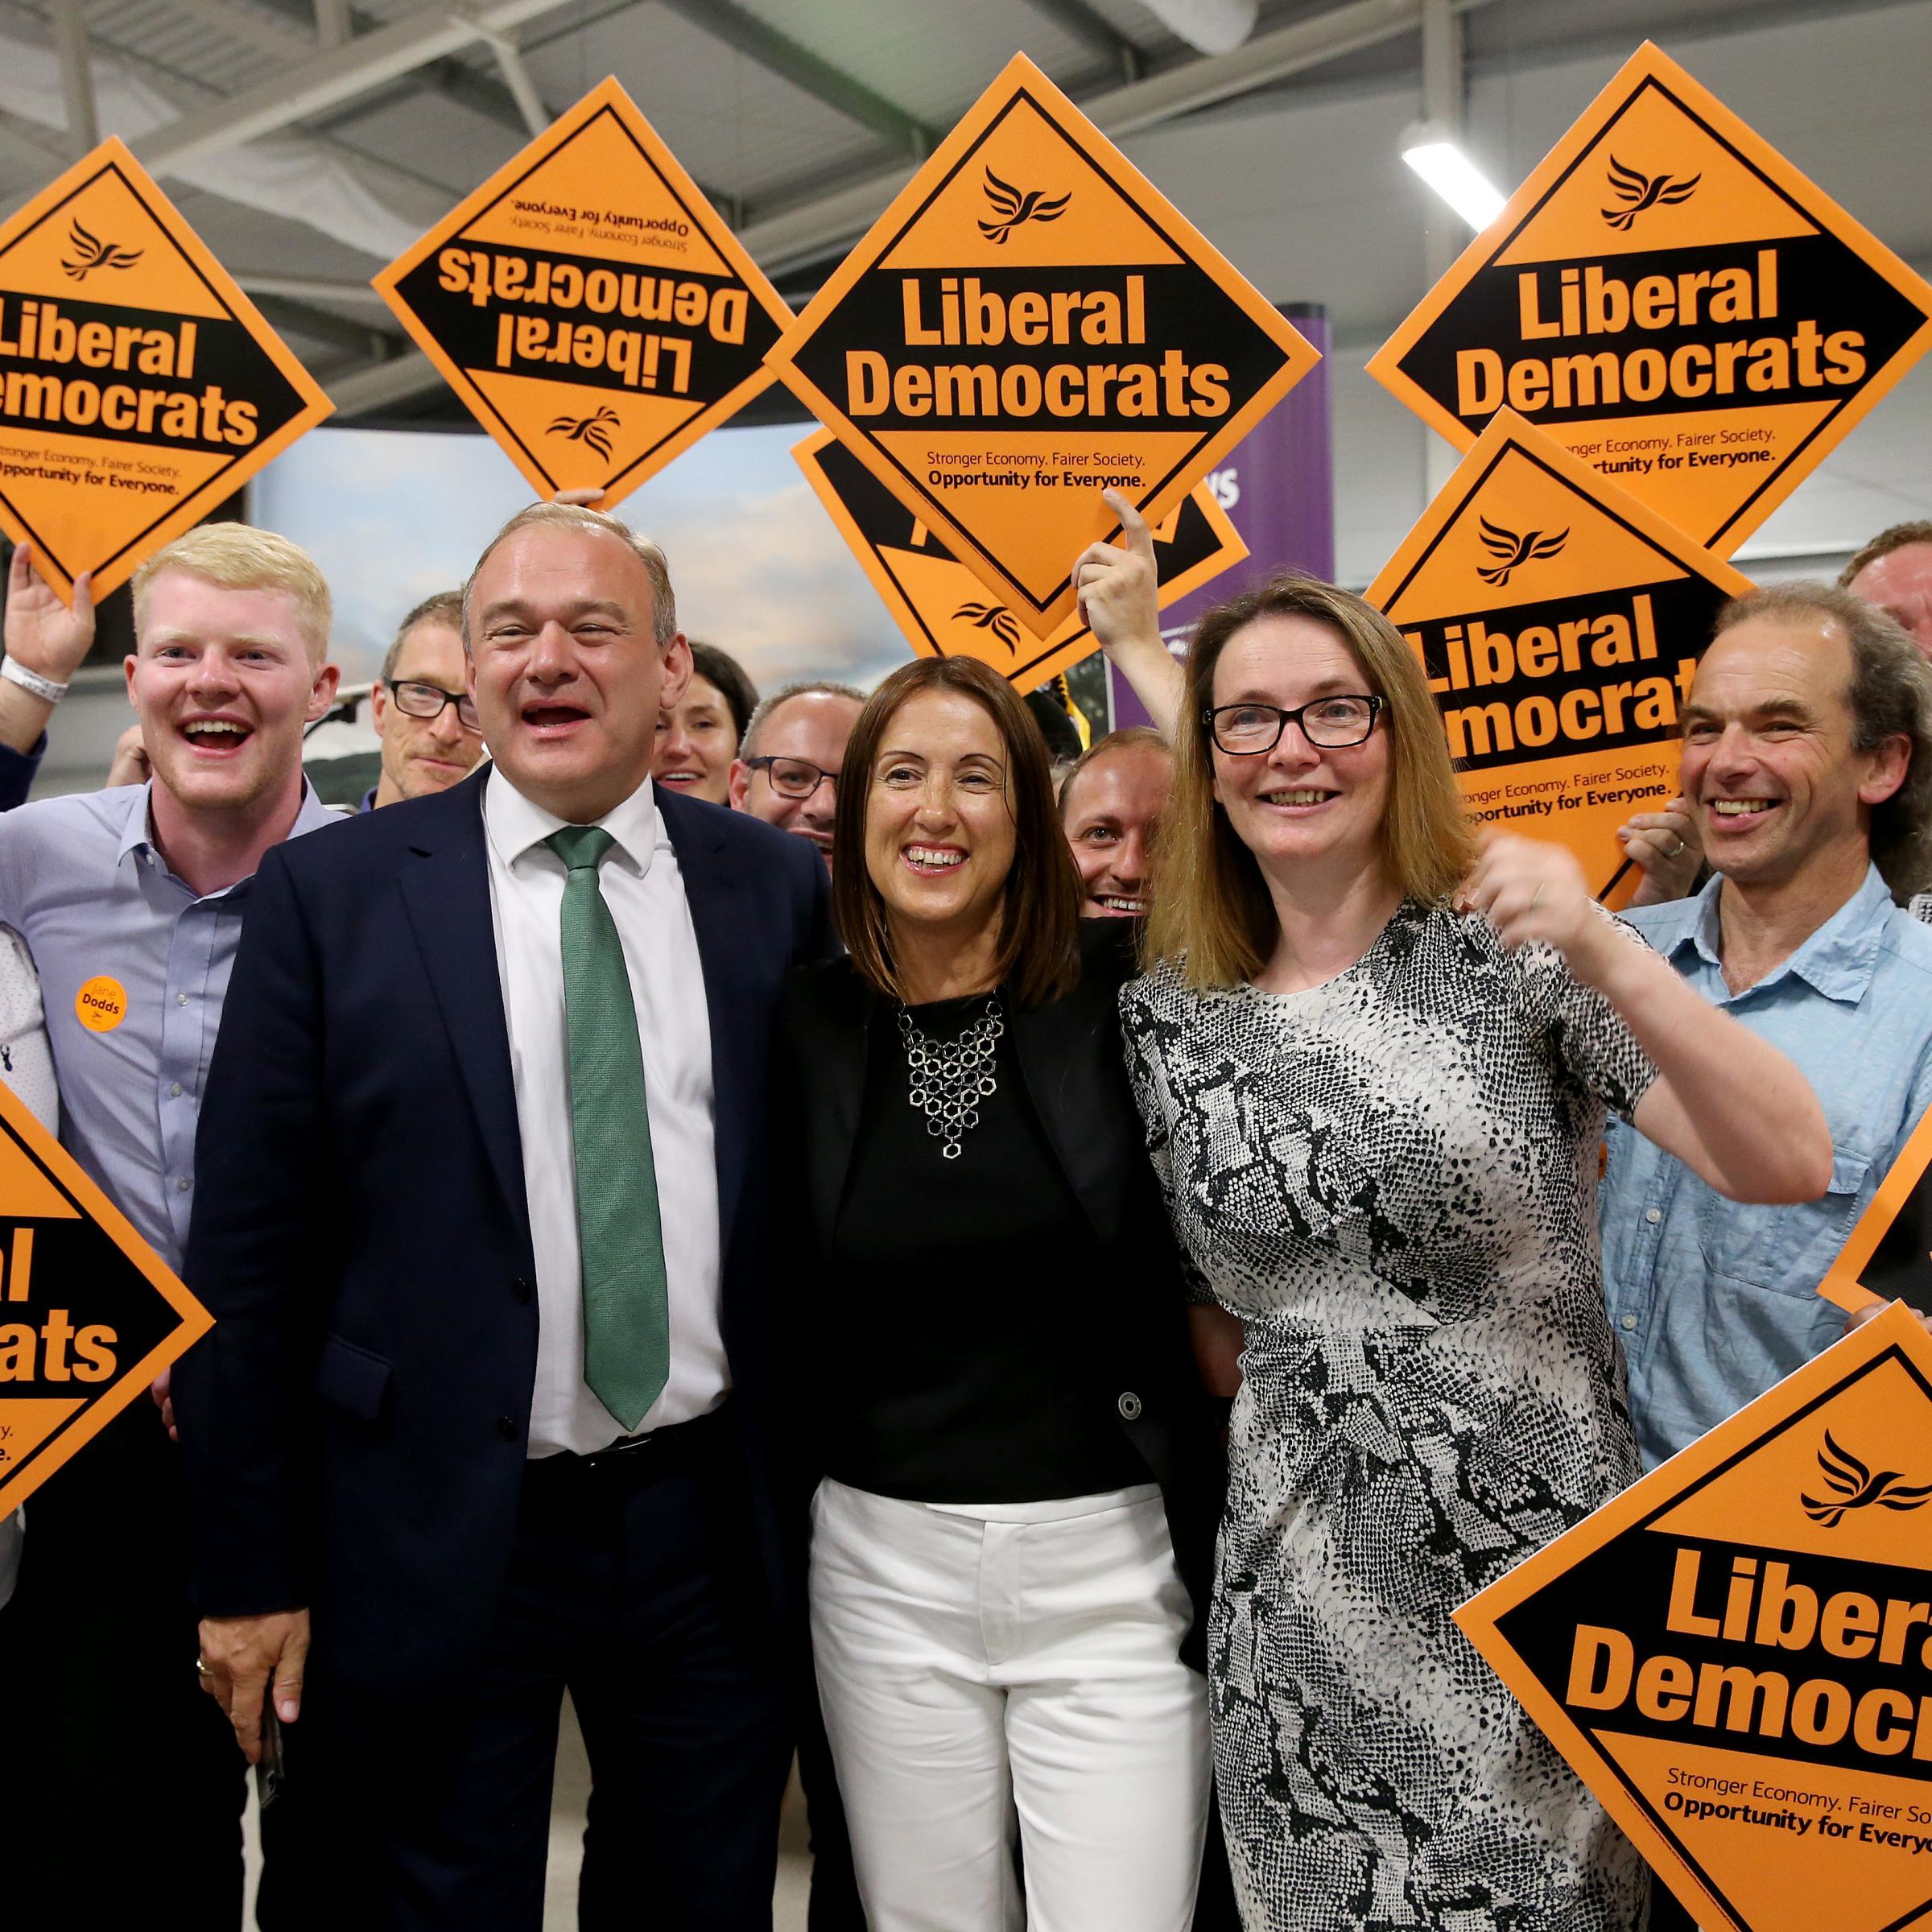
(506, 1427)
(1629, 1321)
(182, 1185)
(1129, 1406)
(175, 1090)
(1653, 1215)
(521, 1289)
(180, 999)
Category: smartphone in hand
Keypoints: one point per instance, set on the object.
(268, 1766)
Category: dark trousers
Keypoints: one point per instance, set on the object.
(126, 1806)
(628, 1585)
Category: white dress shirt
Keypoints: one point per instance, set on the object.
(645, 891)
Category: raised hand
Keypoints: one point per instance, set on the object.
(1116, 585)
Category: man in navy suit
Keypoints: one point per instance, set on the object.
(480, 1215)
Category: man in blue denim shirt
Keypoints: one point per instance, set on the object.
(1807, 762)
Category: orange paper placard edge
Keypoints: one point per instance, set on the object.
(139, 387)
(1031, 321)
(589, 305)
(1733, 1653)
(941, 607)
(1672, 300)
(1560, 621)
(89, 1314)
(1887, 1255)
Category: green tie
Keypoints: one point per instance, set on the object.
(626, 1312)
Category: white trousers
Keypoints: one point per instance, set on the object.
(1011, 1665)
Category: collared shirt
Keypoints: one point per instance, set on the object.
(1716, 1300)
(644, 889)
(134, 967)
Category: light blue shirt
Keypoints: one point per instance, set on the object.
(1714, 1301)
(134, 967)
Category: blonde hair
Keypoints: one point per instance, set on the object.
(1210, 908)
(237, 556)
(574, 516)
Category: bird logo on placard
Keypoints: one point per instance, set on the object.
(1512, 551)
(1854, 1486)
(1638, 192)
(1015, 207)
(91, 253)
(593, 430)
(994, 617)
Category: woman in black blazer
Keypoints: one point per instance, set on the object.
(1014, 1531)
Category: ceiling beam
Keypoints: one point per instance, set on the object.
(744, 31)
(373, 389)
(77, 71)
(325, 79)
(1094, 30)
(289, 317)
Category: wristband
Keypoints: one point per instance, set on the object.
(45, 689)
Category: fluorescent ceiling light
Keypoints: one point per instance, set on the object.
(1441, 162)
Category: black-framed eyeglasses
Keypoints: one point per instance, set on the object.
(427, 701)
(1243, 730)
(792, 778)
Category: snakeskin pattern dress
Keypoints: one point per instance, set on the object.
(1391, 1178)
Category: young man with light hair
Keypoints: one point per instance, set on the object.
(788, 766)
(140, 892)
(421, 707)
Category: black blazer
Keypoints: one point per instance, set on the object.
(1070, 1063)
(353, 1427)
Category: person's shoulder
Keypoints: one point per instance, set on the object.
(74, 812)
(1110, 952)
(738, 835)
(1159, 992)
(1908, 939)
(822, 991)
(357, 844)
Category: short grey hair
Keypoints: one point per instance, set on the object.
(804, 688)
(444, 608)
(574, 516)
(1890, 695)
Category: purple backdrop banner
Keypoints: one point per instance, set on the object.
(1278, 487)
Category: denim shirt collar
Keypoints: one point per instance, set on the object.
(1837, 960)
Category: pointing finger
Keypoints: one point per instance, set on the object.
(1138, 537)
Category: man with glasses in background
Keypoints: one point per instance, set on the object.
(420, 706)
(787, 771)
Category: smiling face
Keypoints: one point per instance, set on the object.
(813, 727)
(224, 683)
(422, 755)
(1900, 584)
(1110, 811)
(1300, 805)
(566, 676)
(1768, 762)
(939, 828)
(697, 738)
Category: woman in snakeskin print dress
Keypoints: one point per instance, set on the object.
(1375, 1110)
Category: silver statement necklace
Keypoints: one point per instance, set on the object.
(947, 1079)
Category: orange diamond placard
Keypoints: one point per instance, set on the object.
(943, 609)
(139, 385)
(1736, 1654)
(89, 1314)
(1031, 321)
(589, 305)
(1670, 299)
(1887, 1255)
(1560, 622)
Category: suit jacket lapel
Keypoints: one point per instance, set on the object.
(1063, 1065)
(446, 895)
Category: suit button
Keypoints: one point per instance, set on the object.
(1129, 1406)
(521, 1289)
(506, 1427)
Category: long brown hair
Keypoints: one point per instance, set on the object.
(1038, 957)
(1210, 903)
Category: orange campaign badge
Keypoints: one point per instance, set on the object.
(1031, 321)
(943, 609)
(1670, 299)
(1736, 1654)
(138, 386)
(1560, 622)
(89, 1314)
(589, 305)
